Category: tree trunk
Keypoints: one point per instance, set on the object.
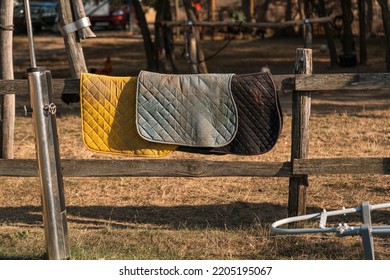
(328, 33)
(176, 28)
(370, 16)
(7, 102)
(386, 26)
(304, 12)
(159, 42)
(288, 12)
(248, 7)
(148, 43)
(245, 8)
(164, 39)
(201, 65)
(261, 15)
(362, 32)
(348, 45)
(212, 11)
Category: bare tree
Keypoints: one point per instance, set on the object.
(288, 12)
(370, 16)
(304, 7)
(348, 58)
(262, 11)
(200, 63)
(164, 38)
(148, 43)
(248, 7)
(386, 25)
(362, 32)
(321, 9)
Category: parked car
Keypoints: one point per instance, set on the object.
(109, 14)
(44, 15)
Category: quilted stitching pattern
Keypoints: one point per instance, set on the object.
(108, 117)
(260, 117)
(187, 110)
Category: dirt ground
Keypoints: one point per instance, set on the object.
(240, 56)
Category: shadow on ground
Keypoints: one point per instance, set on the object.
(238, 215)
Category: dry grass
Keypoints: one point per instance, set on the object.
(204, 218)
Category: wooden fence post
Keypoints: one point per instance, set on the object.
(7, 102)
(300, 134)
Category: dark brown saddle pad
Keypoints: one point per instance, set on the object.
(260, 118)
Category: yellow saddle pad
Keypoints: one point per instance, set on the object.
(108, 117)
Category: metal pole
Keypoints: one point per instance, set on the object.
(47, 151)
(29, 33)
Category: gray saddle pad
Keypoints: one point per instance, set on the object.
(193, 110)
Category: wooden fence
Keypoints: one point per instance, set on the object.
(297, 169)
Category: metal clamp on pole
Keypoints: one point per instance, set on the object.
(76, 25)
(47, 152)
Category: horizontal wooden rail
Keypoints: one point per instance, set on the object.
(150, 167)
(199, 168)
(317, 82)
(244, 24)
(324, 166)
(334, 82)
(72, 86)
(20, 86)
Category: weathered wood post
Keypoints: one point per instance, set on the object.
(74, 24)
(7, 102)
(301, 105)
(73, 47)
(81, 19)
